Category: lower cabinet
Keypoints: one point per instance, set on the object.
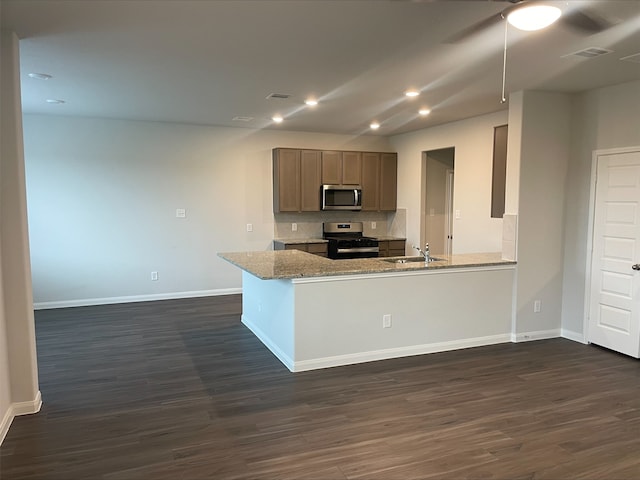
(391, 248)
(319, 248)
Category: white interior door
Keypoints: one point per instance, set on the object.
(614, 312)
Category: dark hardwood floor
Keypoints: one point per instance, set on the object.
(180, 389)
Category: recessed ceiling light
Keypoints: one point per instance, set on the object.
(40, 76)
(534, 17)
(56, 101)
(277, 118)
(311, 102)
(412, 93)
(424, 112)
(374, 126)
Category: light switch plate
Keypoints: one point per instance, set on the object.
(181, 213)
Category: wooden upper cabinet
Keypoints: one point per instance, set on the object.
(296, 180)
(388, 181)
(370, 181)
(310, 181)
(351, 168)
(298, 176)
(341, 168)
(286, 180)
(332, 168)
(379, 181)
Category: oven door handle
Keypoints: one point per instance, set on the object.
(359, 250)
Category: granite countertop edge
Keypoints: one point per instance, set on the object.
(292, 264)
(290, 241)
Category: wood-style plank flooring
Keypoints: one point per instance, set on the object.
(179, 389)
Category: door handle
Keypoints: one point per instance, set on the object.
(636, 266)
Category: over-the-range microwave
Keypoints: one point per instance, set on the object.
(341, 197)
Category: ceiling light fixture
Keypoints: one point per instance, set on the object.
(412, 93)
(277, 118)
(55, 101)
(39, 76)
(374, 126)
(424, 112)
(533, 17)
(311, 102)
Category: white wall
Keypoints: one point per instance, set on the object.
(18, 366)
(603, 118)
(475, 230)
(540, 133)
(103, 194)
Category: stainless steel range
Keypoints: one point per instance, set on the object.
(345, 240)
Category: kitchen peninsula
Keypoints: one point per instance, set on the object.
(313, 312)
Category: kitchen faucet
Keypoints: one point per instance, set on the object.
(424, 253)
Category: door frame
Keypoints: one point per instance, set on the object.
(592, 211)
(448, 212)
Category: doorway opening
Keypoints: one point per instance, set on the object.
(436, 216)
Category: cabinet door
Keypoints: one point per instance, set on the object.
(370, 181)
(286, 180)
(310, 181)
(318, 249)
(396, 248)
(383, 247)
(296, 246)
(388, 181)
(351, 168)
(332, 168)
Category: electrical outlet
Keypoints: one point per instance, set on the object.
(249, 227)
(536, 306)
(294, 227)
(181, 213)
(154, 276)
(373, 225)
(386, 321)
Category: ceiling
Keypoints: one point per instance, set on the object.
(208, 61)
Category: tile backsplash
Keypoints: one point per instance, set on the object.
(509, 236)
(309, 224)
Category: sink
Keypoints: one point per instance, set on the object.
(410, 260)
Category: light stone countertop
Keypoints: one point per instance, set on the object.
(384, 238)
(289, 241)
(288, 264)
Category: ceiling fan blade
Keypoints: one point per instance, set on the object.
(585, 21)
(478, 27)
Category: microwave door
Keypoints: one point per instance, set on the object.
(336, 197)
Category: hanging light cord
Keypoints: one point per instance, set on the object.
(504, 61)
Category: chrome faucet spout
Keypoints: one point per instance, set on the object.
(424, 253)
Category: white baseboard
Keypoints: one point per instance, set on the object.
(85, 302)
(6, 423)
(362, 357)
(575, 336)
(389, 353)
(280, 355)
(16, 409)
(531, 336)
